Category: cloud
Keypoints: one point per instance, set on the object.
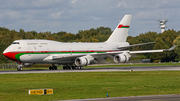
(10, 14)
(122, 4)
(75, 15)
(56, 15)
(95, 18)
(73, 1)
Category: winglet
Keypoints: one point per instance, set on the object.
(170, 49)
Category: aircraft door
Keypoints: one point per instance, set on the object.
(39, 44)
(48, 51)
(29, 49)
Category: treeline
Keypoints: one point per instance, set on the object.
(163, 40)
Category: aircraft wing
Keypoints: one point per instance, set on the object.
(67, 56)
(151, 51)
(125, 47)
(91, 56)
(106, 53)
(74, 56)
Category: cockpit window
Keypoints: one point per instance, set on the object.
(15, 43)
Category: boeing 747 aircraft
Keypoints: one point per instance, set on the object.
(73, 55)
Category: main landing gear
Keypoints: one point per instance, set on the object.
(65, 67)
(71, 67)
(53, 67)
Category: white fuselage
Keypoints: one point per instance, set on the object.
(79, 54)
(37, 51)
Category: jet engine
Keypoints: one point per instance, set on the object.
(82, 61)
(122, 58)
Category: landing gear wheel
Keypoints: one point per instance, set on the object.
(68, 67)
(55, 67)
(19, 69)
(52, 67)
(64, 67)
(49, 67)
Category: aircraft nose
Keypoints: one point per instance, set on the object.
(9, 55)
(4, 53)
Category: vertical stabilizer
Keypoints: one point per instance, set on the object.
(121, 32)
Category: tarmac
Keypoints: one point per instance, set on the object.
(109, 69)
(173, 97)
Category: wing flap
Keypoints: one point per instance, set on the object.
(151, 51)
(125, 47)
(145, 51)
(106, 53)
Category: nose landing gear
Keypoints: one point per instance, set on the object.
(20, 67)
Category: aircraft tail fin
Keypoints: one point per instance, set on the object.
(120, 34)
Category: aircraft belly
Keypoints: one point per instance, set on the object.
(33, 58)
(57, 58)
(59, 62)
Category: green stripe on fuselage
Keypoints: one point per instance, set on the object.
(17, 56)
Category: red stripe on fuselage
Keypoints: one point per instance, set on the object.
(11, 55)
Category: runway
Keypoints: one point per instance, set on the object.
(172, 97)
(109, 69)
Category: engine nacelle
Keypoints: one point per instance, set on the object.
(122, 58)
(82, 61)
(27, 64)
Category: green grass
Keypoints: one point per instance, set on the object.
(89, 85)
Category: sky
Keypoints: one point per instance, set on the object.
(74, 15)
